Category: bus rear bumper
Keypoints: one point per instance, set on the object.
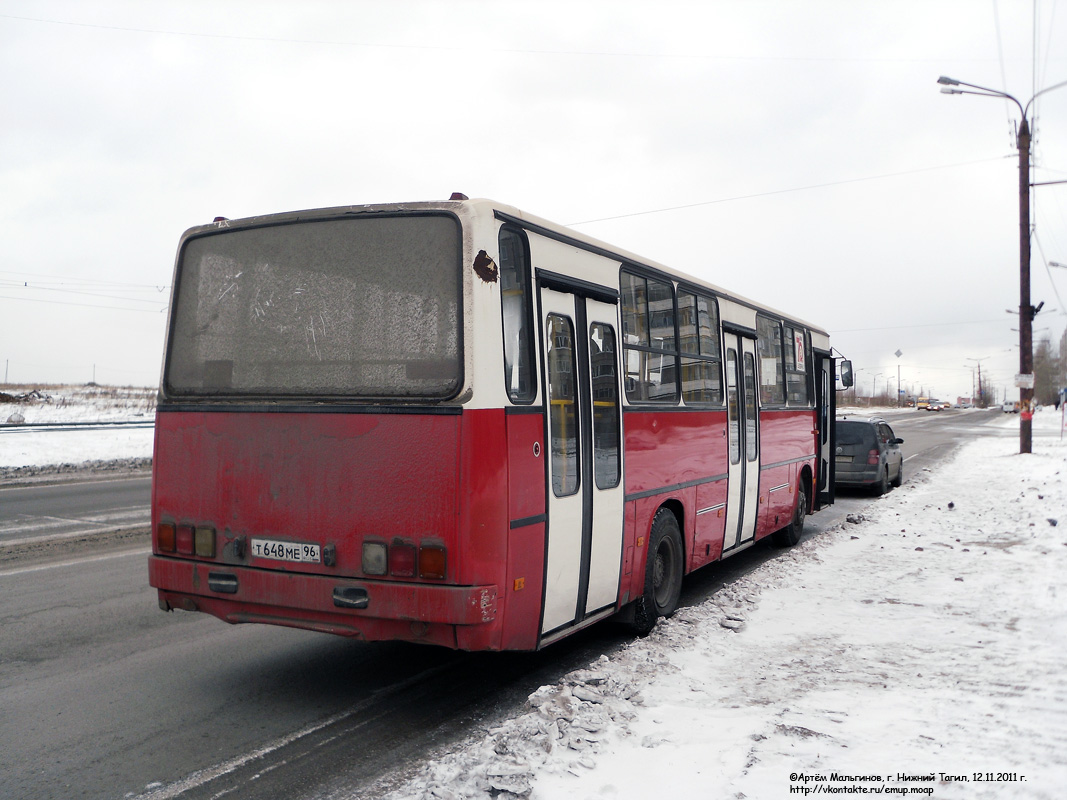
(370, 610)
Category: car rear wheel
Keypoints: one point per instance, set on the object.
(899, 479)
(882, 484)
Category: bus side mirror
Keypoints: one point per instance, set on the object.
(846, 374)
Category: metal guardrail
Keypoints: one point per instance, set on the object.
(29, 427)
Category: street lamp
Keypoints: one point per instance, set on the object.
(1026, 311)
(898, 354)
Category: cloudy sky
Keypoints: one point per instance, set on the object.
(799, 153)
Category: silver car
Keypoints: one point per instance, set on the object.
(868, 455)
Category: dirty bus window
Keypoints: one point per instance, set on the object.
(517, 314)
(354, 307)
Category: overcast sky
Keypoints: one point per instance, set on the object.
(798, 153)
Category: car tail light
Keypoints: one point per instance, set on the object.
(872, 458)
(402, 560)
(432, 561)
(204, 542)
(165, 537)
(375, 558)
(185, 539)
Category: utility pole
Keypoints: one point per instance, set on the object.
(1027, 312)
(898, 354)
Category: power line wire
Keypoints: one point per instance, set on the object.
(8, 285)
(84, 305)
(787, 191)
(75, 279)
(836, 331)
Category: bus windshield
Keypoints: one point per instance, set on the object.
(361, 307)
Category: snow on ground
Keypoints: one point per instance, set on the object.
(920, 649)
(87, 403)
(24, 446)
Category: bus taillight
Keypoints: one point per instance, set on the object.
(432, 561)
(165, 537)
(185, 539)
(402, 560)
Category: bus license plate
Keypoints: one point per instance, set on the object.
(286, 551)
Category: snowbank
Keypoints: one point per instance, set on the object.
(74, 447)
(22, 446)
(921, 649)
(70, 404)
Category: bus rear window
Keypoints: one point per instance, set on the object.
(358, 307)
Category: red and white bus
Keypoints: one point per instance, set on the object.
(456, 423)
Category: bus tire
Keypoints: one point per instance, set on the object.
(663, 573)
(791, 533)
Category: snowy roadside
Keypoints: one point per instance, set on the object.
(920, 650)
(28, 453)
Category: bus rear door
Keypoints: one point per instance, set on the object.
(583, 557)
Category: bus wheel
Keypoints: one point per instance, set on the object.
(791, 533)
(663, 573)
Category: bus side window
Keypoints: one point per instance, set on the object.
(516, 311)
(771, 372)
(797, 362)
(650, 346)
(698, 323)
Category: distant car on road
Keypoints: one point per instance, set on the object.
(1010, 408)
(868, 455)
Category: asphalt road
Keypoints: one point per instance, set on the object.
(104, 696)
(73, 508)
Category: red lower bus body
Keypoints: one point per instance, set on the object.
(470, 482)
(339, 480)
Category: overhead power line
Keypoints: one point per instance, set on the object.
(85, 305)
(64, 280)
(8, 285)
(920, 325)
(793, 189)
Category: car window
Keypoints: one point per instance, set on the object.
(853, 433)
